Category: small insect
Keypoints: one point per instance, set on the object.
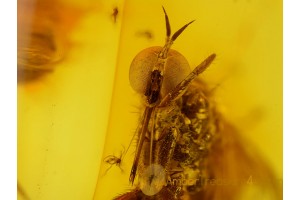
(115, 160)
(185, 149)
(115, 14)
(146, 33)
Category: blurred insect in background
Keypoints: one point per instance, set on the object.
(43, 28)
(185, 148)
(41, 44)
(115, 13)
(145, 33)
(38, 42)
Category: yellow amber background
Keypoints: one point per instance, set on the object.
(85, 110)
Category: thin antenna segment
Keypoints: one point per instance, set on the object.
(168, 27)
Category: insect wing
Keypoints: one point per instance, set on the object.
(237, 171)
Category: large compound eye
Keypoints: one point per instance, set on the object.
(176, 69)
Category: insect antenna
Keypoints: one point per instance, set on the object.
(168, 27)
(169, 41)
(177, 33)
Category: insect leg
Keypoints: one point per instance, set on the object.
(152, 137)
(153, 178)
(107, 170)
(141, 138)
(180, 88)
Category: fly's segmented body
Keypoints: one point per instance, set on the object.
(183, 142)
(185, 131)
